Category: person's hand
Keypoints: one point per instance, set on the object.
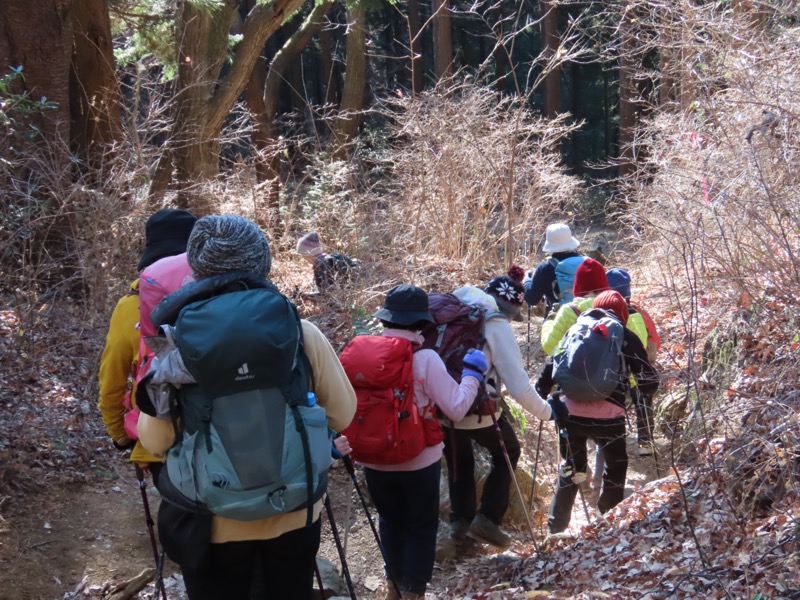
(475, 364)
(528, 276)
(558, 410)
(123, 443)
(341, 447)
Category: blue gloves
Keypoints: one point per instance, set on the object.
(475, 364)
(559, 410)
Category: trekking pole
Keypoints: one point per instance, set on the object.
(159, 583)
(339, 548)
(535, 466)
(528, 368)
(647, 411)
(348, 464)
(516, 483)
(319, 579)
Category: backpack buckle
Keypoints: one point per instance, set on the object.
(278, 503)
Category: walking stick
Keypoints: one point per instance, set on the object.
(535, 466)
(319, 579)
(339, 548)
(348, 464)
(159, 583)
(528, 368)
(516, 483)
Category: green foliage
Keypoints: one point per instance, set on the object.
(363, 322)
(17, 111)
(147, 32)
(518, 415)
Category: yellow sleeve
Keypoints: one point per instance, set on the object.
(120, 354)
(333, 389)
(637, 326)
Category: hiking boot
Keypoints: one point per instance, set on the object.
(446, 549)
(483, 530)
(646, 449)
(459, 529)
(391, 591)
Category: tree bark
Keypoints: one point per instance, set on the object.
(627, 100)
(552, 81)
(329, 79)
(203, 99)
(415, 46)
(442, 39)
(94, 90)
(36, 36)
(268, 168)
(347, 122)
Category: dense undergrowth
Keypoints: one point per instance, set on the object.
(462, 187)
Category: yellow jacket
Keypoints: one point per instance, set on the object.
(117, 369)
(334, 394)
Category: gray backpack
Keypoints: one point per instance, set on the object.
(588, 363)
(252, 442)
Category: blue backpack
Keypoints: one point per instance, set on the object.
(565, 277)
(588, 363)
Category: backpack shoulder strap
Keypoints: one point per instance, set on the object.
(575, 309)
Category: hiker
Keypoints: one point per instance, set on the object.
(405, 488)
(329, 269)
(553, 278)
(503, 296)
(590, 280)
(257, 389)
(601, 420)
(166, 233)
(619, 280)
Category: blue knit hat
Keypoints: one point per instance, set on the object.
(620, 281)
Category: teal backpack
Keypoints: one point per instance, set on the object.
(251, 440)
(565, 277)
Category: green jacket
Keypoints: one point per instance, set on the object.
(555, 328)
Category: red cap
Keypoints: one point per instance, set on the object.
(590, 278)
(614, 302)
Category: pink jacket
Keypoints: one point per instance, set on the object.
(433, 386)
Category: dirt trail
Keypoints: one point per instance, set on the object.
(86, 536)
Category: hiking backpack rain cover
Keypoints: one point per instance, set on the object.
(588, 364)
(254, 443)
(458, 328)
(388, 428)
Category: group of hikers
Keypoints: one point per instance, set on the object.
(237, 405)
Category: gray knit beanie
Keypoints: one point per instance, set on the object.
(227, 243)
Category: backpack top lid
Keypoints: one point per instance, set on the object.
(588, 364)
(564, 282)
(374, 361)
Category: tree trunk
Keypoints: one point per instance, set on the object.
(352, 103)
(627, 101)
(442, 39)
(37, 37)
(203, 100)
(268, 167)
(552, 81)
(415, 46)
(329, 80)
(94, 90)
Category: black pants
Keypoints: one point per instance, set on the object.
(609, 435)
(408, 516)
(461, 476)
(286, 565)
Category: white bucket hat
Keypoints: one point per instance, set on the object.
(559, 239)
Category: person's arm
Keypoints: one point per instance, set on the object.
(637, 326)
(507, 362)
(452, 398)
(636, 357)
(116, 364)
(554, 330)
(539, 284)
(333, 389)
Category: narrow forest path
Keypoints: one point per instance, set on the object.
(76, 536)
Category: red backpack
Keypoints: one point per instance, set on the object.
(458, 328)
(388, 428)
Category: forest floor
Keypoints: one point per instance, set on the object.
(72, 523)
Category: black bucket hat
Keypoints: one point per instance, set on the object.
(405, 305)
(165, 234)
